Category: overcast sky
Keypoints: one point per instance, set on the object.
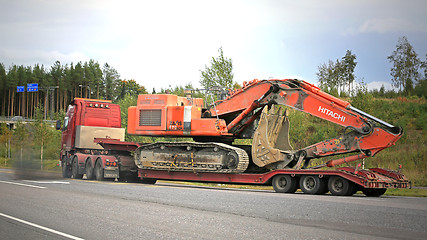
(167, 42)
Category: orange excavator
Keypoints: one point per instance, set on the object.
(252, 112)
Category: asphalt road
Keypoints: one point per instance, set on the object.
(78, 209)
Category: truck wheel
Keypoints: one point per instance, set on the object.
(284, 184)
(89, 170)
(66, 173)
(313, 184)
(75, 169)
(99, 171)
(339, 186)
(374, 192)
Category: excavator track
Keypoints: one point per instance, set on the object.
(192, 157)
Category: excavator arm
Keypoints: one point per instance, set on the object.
(363, 135)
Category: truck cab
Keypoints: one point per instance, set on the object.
(91, 115)
(85, 120)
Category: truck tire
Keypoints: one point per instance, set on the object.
(284, 184)
(75, 170)
(90, 174)
(374, 192)
(339, 186)
(66, 173)
(313, 185)
(99, 170)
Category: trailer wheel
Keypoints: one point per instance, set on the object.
(284, 184)
(90, 174)
(99, 170)
(374, 192)
(75, 169)
(66, 173)
(339, 186)
(313, 185)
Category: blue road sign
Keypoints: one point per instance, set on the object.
(32, 87)
(20, 89)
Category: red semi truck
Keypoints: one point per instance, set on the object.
(93, 141)
(85, 120)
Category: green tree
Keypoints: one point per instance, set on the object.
(111, 80)
(22, 81)
(348, 64)
(77, 76)
(219, 74)
(12, 81)
(41, 77)
(57, 75)
(66, 86)
(20, 136)
(96, 84)
(5, 135)
(42, 134)
(130, 87)
(405, 67)
(89, 78)
(335, 75)
(3, 88)
(421, 87)
(361, 98)
(328, 77)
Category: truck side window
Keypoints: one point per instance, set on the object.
(65, 123)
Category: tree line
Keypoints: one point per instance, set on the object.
(58, 85)
(408, 73)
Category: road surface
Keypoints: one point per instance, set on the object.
(79, 209)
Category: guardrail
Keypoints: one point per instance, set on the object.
(17, 119)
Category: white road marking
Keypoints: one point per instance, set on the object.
(41, 227)
(21, 184)
(47, 182)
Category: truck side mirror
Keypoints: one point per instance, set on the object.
(58, 124)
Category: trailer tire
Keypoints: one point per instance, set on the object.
(90, 173)
(99, 170)
(313, 185)
(339, 186)
(284, 184)
(374, 192)
(75, 169)
(66, 172)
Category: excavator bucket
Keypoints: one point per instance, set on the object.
(270, 144)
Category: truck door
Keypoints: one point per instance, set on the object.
(68, 129)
